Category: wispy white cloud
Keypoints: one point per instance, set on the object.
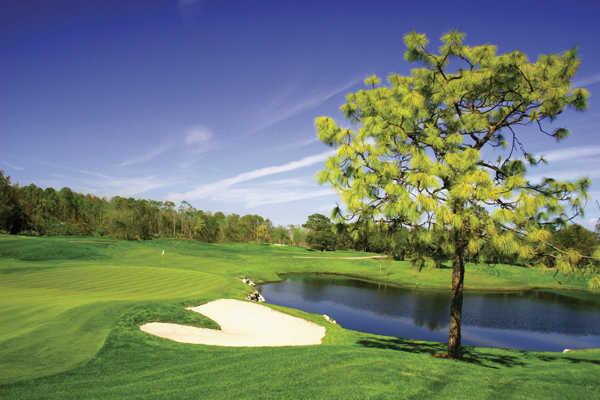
(108, 185)
(298, 144)
(589, 223)
(285, 108)
(286, 182)
(200, 139)
(12, 166)
(276, 191)
(198, 135)
(102, 184)
(135, 185)
(566, 174)
(308, 142)
(587, 80)
(326, 209)
(216, 190)
(582, 162)
(571, 153)
(259, 195)
(148, 156)
(595, 194)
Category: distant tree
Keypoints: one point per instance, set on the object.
(428, 152)
(171, 217)
(280, 234)
(399, 246)
(578, 238)
(212, 228)
(297, 235)
(263, 232)
(320, 232)
(343, 236)
(249, 227)
(198, 225)
(221, 222)
(12, 217)
(188, 221)
(232, 228)
(597, 225)
(378, 238)
(361, 230)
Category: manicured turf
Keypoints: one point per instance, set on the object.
(70, 308)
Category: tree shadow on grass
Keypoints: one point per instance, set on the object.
(549, 358)
(403, 345)
(480, 357)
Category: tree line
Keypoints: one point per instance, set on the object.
(575, 241)
(32, 210)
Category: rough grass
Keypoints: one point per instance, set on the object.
(70, 310)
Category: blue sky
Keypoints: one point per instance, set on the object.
(214, 101)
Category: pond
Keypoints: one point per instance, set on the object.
(530, 320)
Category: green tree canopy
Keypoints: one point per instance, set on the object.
(12, 217)
(442, 151)
(320, 232)
(575, 236)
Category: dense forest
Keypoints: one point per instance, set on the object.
(31, 210)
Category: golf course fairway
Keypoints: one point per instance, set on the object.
(71, 310)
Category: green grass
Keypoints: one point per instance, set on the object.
(70, 310)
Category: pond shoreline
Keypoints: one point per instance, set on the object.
(564, 291)
(530, 320)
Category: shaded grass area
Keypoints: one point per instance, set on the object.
(70, 310)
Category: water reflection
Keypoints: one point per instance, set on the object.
(431, 310)
(524, 320)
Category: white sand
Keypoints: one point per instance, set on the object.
(242, 324)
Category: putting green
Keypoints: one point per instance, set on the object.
(53, 320)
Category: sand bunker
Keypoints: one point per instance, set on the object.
(242, 324)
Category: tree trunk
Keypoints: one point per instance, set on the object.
(456, 301)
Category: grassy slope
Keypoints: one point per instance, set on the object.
(70, 308)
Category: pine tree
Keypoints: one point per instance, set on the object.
(441, 151)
